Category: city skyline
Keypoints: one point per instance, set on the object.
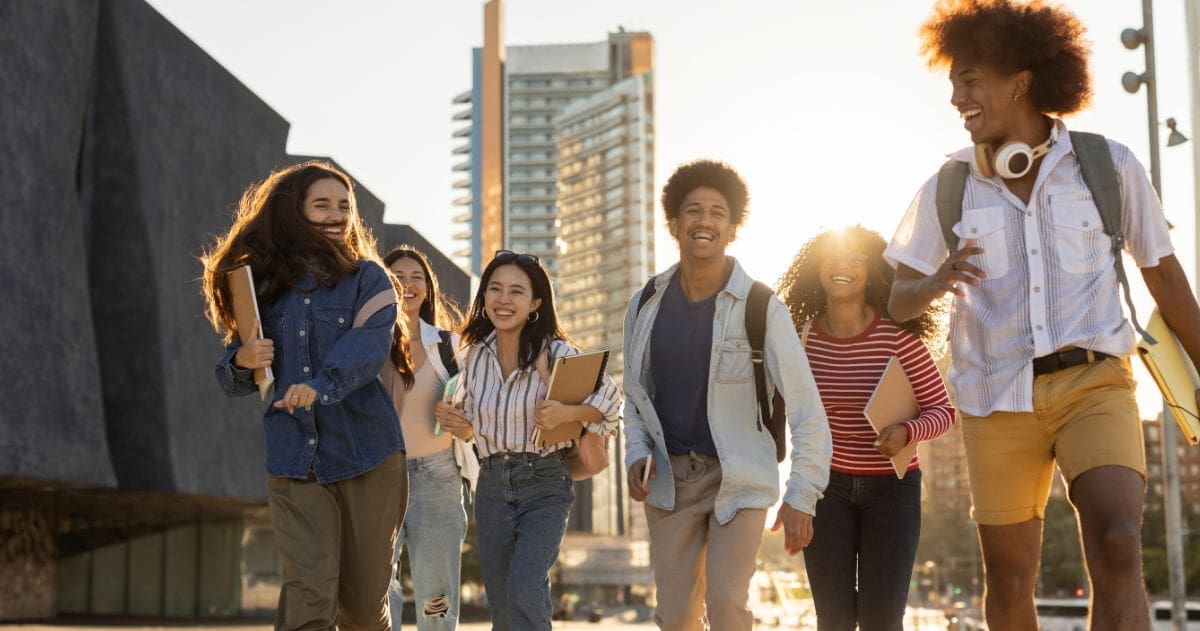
(806, 99)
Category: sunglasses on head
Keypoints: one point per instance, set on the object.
(507, 256)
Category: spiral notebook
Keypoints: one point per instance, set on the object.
(1174, 374)
(572, 379)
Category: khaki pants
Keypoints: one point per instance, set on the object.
(336, 542)
(700, 564)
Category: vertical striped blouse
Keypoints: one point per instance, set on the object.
(848, 369)
(501, 410)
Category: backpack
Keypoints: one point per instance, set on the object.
(756, 329)
(1100, 175)
(446, 353)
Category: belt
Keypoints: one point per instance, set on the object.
(1061, 360)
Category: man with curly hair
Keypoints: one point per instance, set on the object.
(691, 404)
(1040, 345)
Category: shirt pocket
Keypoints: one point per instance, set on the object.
(733, 361)
(986, 227)
(1079, 238)
(331, 323)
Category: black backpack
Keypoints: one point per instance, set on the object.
(446, 352)
(756, 329)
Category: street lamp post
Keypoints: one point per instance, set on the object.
(1132, 38)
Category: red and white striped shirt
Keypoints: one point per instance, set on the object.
(847, 369)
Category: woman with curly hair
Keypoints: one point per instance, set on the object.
(336, 482)
(1012, 227)
(867, 525)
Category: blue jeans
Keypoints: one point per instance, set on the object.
(860, 561)
(521, 506)
(434, 528)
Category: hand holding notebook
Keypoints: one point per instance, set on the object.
(572, 380)
(894, 402)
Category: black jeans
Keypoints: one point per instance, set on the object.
(860, 561)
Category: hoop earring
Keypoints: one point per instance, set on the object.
(536, 316)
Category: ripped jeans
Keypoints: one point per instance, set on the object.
(434, 528)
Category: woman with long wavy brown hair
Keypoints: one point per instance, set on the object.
(336, 481)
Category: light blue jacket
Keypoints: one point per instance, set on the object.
(750, 475)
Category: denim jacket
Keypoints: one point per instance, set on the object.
(352, 426)
(750, 475)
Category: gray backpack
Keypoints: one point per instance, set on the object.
(1095, 161)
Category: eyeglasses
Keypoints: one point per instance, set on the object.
(507, 256)
(851, 259)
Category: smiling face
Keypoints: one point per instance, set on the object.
(327, 207)
(985, 101)
(703, 228)
(412, 279)
(508, 298)
(844, 276)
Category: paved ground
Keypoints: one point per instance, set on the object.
(919, 620)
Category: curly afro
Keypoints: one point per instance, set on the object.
(1009, 37)
(710, 173)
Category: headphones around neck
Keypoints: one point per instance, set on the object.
(1013, 160)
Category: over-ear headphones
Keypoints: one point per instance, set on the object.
(1013, 160)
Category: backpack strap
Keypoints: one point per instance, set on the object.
(756, 330)
(804, 333)
(1100, 175)
(952, 182)
(647, 293)
(446, 353)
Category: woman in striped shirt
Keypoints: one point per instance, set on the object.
(525, 491)
(867, 525)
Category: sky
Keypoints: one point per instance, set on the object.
(825, 108)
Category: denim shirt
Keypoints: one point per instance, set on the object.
(750, 475)
(352, 426)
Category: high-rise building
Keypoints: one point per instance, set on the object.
(1189, 471)
(558, 162)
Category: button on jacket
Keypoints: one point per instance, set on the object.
(750, 475)
(352, 425)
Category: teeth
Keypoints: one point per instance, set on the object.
(971, 113)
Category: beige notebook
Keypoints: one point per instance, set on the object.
(1174, 373)
(572, 380)
(894, 402)
(249, 322)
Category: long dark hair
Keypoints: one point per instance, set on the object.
(800, 286)
(535, 335)
(272, 236)
(437, 309)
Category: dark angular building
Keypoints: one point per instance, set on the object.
(129, 484)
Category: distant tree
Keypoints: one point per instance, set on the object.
(1062, 570)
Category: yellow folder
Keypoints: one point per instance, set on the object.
(1174, 373)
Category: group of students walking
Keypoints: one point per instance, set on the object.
(368, 445)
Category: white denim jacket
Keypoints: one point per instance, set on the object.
(750, 475)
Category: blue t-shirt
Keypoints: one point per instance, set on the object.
(680, 353)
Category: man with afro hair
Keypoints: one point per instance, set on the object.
(1039, 341)
(691, 413)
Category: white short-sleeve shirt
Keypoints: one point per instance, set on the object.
(1050, 278)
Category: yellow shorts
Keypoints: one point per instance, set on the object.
(1083, 417)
